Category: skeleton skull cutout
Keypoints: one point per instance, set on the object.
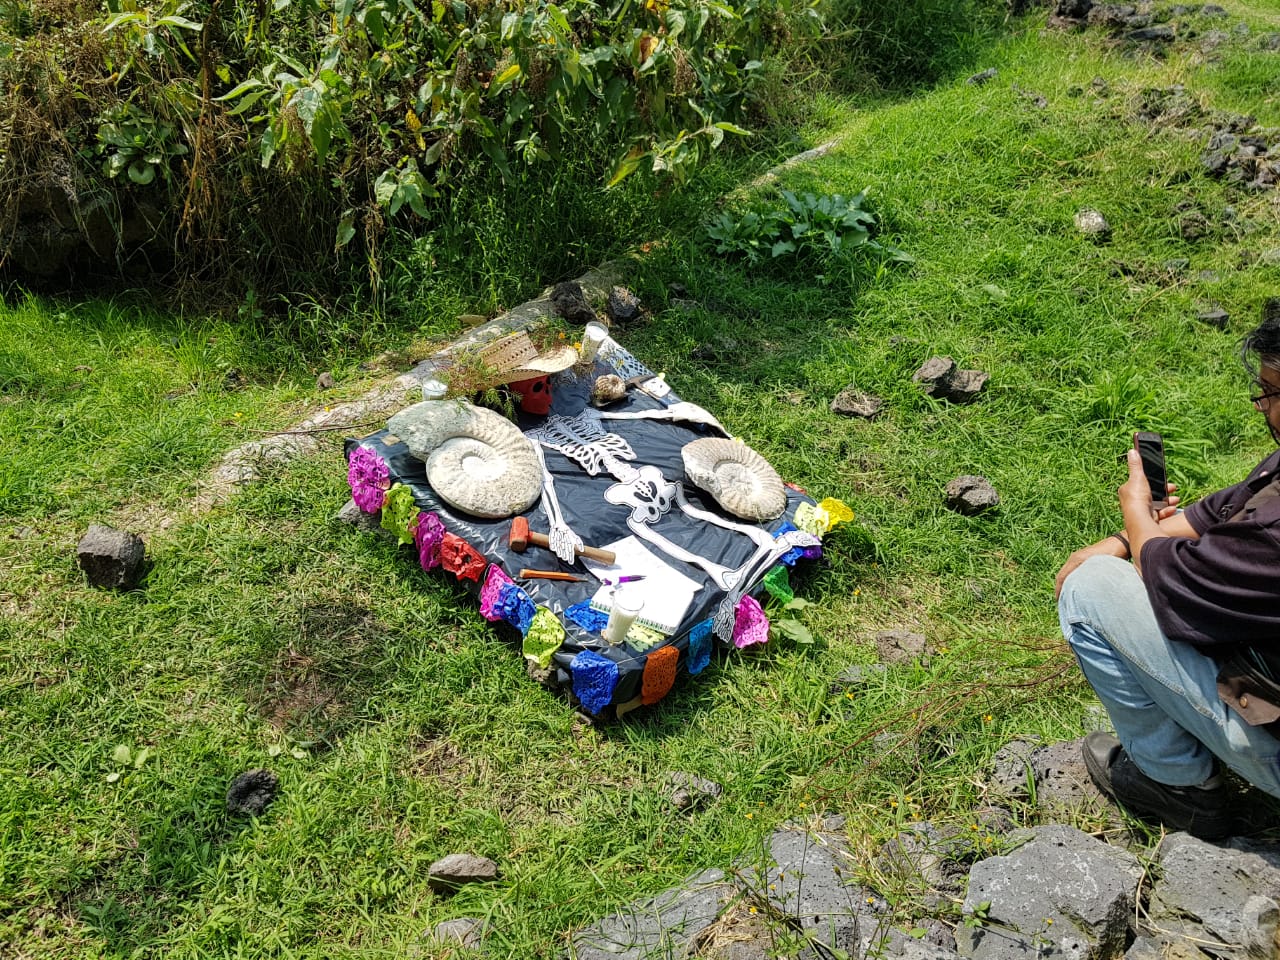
(535, 395)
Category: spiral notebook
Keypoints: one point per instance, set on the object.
(665, 592)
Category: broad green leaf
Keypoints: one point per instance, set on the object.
(141, 172)
(122, 754)
(242, 88)
(182, 23)
(557, 17)
(346, 229)
(384, 188)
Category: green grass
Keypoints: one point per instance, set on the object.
(403, 728)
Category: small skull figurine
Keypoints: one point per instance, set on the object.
(535, 395)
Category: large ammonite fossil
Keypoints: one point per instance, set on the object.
(740, 480)
(477, 460)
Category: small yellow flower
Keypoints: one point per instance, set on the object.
(753, 909)
(751, 816)
(1049, 921)
(238, 414)
(973, 826)
(803, 804)
(560, 335)
(986, 718)
(908, 799)
(856, 592)
(894, 804)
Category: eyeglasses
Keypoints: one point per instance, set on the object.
(1269, 393)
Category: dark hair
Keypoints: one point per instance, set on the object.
(1261, 345)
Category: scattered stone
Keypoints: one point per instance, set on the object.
(669, 925)
(1160, 34)
(1193, 226)
(252, 792)
(1213, 315)
(1162, 948)
(1061, 777)
(971, 495)
(923, 856)
(853, 403)
(568, 301)
(806, 881)
(936, 943)
(685, 305)
(978, 79)
(935, 375)
(716, 350)
(1176, 267)
(1269, 41)
(856, 676)
(1092, 224)
(1219, 894)
(457, 869)
(623, 306)
(677, 289)
(1072, 9)
(689, 790)
(899, 646)
(325, 381)
(1011, 773)
(1208, 276)
(1100, 86)
(369, 522)
(543, 676)
(1270, 258)
(1111, 16)
(608, 389)
(463, 931)
(1062, 887)
(965, 385)
(111, 559)
(1212, 10)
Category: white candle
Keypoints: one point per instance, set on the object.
(624, 608)
(593, 335)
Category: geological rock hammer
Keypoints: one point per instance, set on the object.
(521, 536)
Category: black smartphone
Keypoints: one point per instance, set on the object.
(1150, 447)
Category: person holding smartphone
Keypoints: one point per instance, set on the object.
(1176, 625)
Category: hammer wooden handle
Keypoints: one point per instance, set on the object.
(595, 553)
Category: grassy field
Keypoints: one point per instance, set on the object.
(403, 728)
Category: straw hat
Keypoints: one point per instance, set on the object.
(514, 358)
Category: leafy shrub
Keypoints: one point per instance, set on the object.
(249, 135)
(819, 226)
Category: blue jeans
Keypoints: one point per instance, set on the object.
(1161, 694)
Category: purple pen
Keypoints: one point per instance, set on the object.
(631, 579)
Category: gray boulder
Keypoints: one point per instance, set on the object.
(111, 559)
(1061, 894)
(623, 306)
(451, 872)
(854, 403)
(1224, 895)
(1092, 224)
(689, 790)
(464, 931)
(668, 926)
(934, 375)
(805, 880)
(971, 495)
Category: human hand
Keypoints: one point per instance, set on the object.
(1110, 547)
(1135, 492)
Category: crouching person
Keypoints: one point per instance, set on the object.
(1176, 626)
